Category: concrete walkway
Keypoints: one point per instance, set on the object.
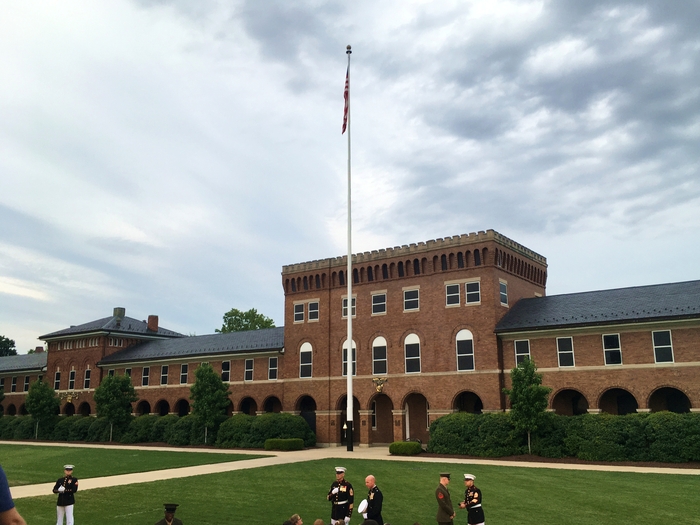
(280, 458)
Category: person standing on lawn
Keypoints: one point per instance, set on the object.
(374, 501)
(445, 513)
(8, 512)
(472, 501)
(65, 487)
(170, 518)
(342, 497)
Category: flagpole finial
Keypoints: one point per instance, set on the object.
(349, 49)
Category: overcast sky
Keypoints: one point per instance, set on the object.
(170, 157)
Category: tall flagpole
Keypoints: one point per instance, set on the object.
(349, 408)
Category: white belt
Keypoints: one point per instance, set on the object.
(341, 502)
(475, 506)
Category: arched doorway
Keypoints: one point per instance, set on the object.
(272, 404)
(11, 410)
(182, 407)
(249, 406)
(570, 403)
(23, 410)
(468, 402)
(343, 407)
(416, 417)
(162, 408)
(619, 402)
(381, 419)
(84, 408)
(307, 409)
(143, 408)
(69, 409)
(2, 410)
(670, 399)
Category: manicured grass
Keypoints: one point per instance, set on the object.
(26, 465)
(269, 495)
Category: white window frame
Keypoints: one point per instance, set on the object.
(344, 368)
(298, 312)
(465, 335)
(271, 368)
(110, 372)
(470, 294)
(184, 371)
(226, 371)
(453, 292)
(314, 313)
(71, 379)
(661, 347)
(145, 375)
(379, 303)
(13, 388)
(344, 307)
(611, 349)
(306, 351)
(407, 300)
(380, 342)
(412, 339)
(127, 372)
(249, 368)
(26, 384)
(87, 376)
(519, 354)
(561, 352)
(164, 369)
(503, 284)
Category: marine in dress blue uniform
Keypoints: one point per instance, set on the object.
(375, 499)
(342, 496)
(472, 501)
(65, 487)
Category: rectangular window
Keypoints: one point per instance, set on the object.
(473, 291)
(565, 351)
(504, 293)
(111, 373)
(663, 349)
(2, 383)
(14, 385)
(410, 300)
(144, 375)
(374, 415)
(305, 363)
(378, 303)
(522, 351)
(226, 371)
(86, 379)
(612, 350)
(26, 383)
(248, 376)
(71, 380)
(272, 368)
(379, 360)
(465, 354)
(452, 295)
(164, 374)
(299, 313)
(127, 372)
(313, 311)
(345, 362)
(57, 381)
(184, 369)
(412, 358)
(345, 307)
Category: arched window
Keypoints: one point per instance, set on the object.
(355, 276)
(341, 278)
(465, 350)
(385, 271)
(379, 362)
(345, 358)
(400, 268)
(318, 281)
(443, 262)
(460, 260)
(306, 283)
(416, 267)
(305, 360)
(477, 258)
(370, 274)
(412, 353)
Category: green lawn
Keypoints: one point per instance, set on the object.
(25, 465)
(512, 496)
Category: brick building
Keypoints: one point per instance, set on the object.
(436, 328)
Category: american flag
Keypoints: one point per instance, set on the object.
(346, 95)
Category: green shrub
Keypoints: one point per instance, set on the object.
(99, 430)
(405, 448)
(548, 442)
(233, 432)
(184, 430)
(486, 435)
(284, 426)
(25, 428)
(162, 427)
(12, 423)
(79, 429)
(62, 428)
(139, 430)
(284, 444)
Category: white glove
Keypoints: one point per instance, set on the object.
(364, 515)
(334, 491)
(61, 488)
(347, 520)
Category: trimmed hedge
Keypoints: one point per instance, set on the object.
(140, 429)
(405, 448)
(284, 444)
(78, 431)
(661, 436)
(244, 431)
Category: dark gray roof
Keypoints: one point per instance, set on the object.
(22, 363)
(202, 345)
(116, 325)
(624, 305)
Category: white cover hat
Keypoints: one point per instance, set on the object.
(362, 507)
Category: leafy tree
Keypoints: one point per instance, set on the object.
(237, 321)
(528, 398)
(209, 397)
(7, 346)
(113, 399)
(41, 403)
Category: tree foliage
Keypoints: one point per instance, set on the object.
(7, 347)
(209, 397)
(42, 402)
(113, 399)
(237, 321)
(528, 398)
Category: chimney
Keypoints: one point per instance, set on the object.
(38, 349)
(119, 312)
(152, 323)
